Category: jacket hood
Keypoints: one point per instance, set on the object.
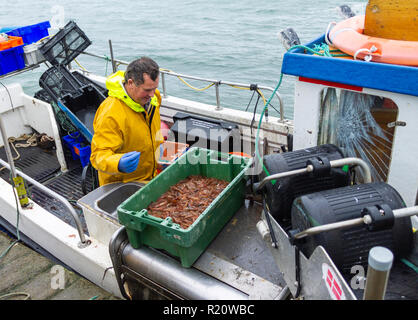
(114, 83)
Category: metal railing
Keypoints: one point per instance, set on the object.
(217, 83)
(83, 240)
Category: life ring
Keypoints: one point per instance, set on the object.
(348, 36)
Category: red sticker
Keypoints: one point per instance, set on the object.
(332, 283)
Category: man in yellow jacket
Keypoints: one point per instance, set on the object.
(127, 137)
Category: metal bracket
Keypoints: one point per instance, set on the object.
(310, 283)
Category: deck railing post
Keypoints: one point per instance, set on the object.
(163, 83)
(218, 99)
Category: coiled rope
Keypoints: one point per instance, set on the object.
(30, 141)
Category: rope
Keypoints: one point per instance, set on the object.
(40, 40)
(31, 141)
(194, 88)
(16, 294)
(75, 60)
(244, 88)
(367, 58)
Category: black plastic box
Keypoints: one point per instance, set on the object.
(66, 45)
(59, 82)
(206, 133)
(80, 96)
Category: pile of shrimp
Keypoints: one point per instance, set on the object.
(185, 201)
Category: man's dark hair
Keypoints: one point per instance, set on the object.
(137, 68)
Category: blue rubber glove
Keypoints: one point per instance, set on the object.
(129, 162)
(161, 150)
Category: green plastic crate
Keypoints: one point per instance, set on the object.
(187, 244)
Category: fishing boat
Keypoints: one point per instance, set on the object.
(319, 203)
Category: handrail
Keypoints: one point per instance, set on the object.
(58, 197)
(217, 83)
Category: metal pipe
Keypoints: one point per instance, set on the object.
(56, 196)
(259, 186)
(398, 213)
(309, 168)
(111, 56)
(7, 148)
(202, 79)
(331, 226)
(189, 77)
(163, 83)
(218, 101)
(104, 57)
(167, 274)
(405, 212)
(380, 262)
(244, 85)
(354, 161)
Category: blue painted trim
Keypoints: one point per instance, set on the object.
(80, 126)
(381, 76)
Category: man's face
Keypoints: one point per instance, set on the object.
(142, 93)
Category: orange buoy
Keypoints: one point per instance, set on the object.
(348, 36)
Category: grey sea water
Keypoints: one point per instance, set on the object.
(235, 40)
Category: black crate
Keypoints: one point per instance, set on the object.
(206, 133)
(43, 95)
(66, 45)
(59, 83)
(102, 90)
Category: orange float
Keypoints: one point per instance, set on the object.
(348, 36)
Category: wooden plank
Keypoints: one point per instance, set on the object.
(392, 19)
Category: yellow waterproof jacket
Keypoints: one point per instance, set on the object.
(121, 125)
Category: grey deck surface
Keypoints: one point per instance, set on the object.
(23, 270)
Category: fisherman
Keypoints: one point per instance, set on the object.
(127, 138)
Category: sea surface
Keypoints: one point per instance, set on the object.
(235, 40)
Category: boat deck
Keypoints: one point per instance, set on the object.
(24, 269)
(43, 166)
(25, 273)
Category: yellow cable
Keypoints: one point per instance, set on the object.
(80, 65)
(262, 96)
(44, 38)
(210, 85)
(187, 84)
(244, 88)
(194, 88)
(237, 87)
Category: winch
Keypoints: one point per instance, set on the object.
(279, 194)
(319, 218)
(351, 246)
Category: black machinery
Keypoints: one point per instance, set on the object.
(311, 202)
